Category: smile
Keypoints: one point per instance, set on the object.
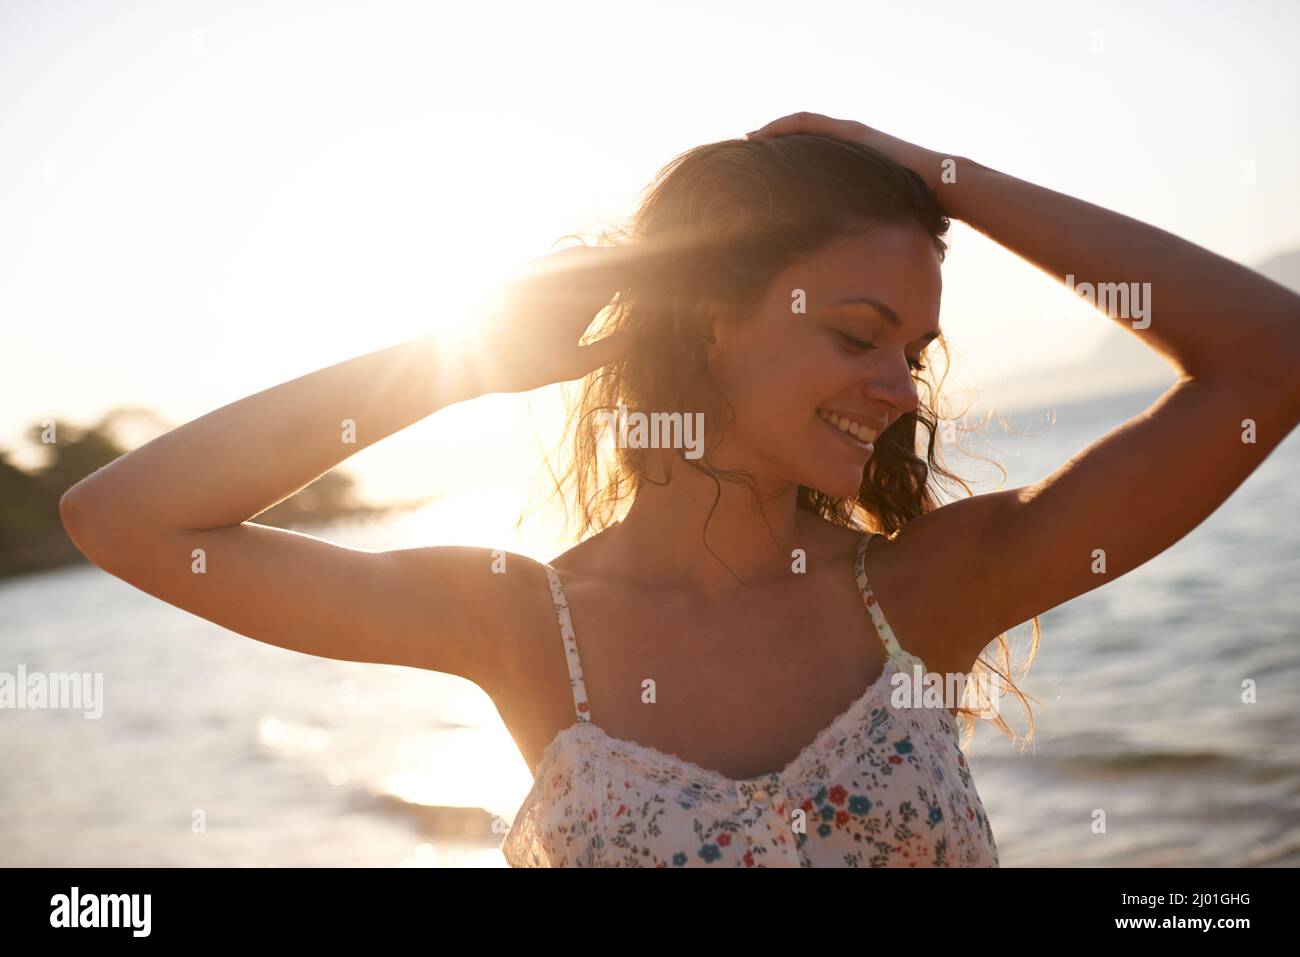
(858, 435)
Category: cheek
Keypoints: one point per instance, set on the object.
(775, 384)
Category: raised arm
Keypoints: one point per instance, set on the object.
(172, 517)
(1233, 337)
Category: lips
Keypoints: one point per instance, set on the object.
(855, 429)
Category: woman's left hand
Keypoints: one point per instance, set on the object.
(926, 163)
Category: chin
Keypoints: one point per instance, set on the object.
(844, 485)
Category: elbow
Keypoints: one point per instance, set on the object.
(73, 510)
(101, 523)
(1287, 366)
(1286, 384)
(83, 517)
(1271, 383)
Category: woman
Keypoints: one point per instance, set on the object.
(785, 288)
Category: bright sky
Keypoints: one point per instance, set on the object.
(199, 201)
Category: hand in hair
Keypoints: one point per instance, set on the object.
(532, 339)
(926, 163)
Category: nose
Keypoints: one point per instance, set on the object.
(892, 385)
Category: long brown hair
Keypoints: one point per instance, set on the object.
(717, 222)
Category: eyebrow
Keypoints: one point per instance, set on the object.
(888, 313)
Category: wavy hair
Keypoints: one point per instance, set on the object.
(718, 222)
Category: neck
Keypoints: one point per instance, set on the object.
(707, 536)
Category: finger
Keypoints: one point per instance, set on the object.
(605, 351)
(801, 122)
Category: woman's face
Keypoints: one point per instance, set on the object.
(786, 371)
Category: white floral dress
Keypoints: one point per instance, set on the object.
(880, 786)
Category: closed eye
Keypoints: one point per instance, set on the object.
(858, 346)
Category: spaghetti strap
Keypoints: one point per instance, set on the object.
(894, 653)
(561, 603)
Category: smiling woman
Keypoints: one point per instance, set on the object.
(774, 278)
(765, 594)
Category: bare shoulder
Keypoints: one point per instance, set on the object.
(931, 577)
(516, 597)
(524, 626)
(528, 664)
(470, 608)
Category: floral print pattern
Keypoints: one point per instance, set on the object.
(880, 786)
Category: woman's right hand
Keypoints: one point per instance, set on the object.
(531, 337)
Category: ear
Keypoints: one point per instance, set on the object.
(711, 317)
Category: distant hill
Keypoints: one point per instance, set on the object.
(1284, 268)
(1119, 363)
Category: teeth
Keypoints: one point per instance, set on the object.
(860, 432)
